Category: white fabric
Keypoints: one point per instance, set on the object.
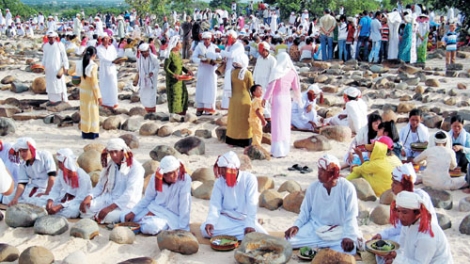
(11, 166)
(144, 47)
(261, 73)
(229, 160)
(326, 160)
(22, 143)
(88, 69)
(357, 115)
(242, 61)
(300, 117)
(172, 43)
(230, 53)
(147, 84)
(352, 92)
(5, 178)
(407, 137)
(53, 60)
(405, 169)
(330, 233)
(206, 86)
(447, 141)
(117, 144)
(108, 75)
(283, 64)
(408, 200)
(393, 20)
(206, 35)
(169, 164)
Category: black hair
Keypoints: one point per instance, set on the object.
(297, 41)
(371, 133)
(89, 52)
(456, 118)
(95, 36)
(390, 128)
(253, 89)
(350, 98)
(415, 112)
(440, 135)
(308, 41)
(163, 41)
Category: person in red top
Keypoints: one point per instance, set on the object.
(350, 38)
(384, 43)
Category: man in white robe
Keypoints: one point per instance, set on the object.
(108, 74)
(8, 18)
(55, 63)
(148, 66)
(234, 201)
(51, 24)
(413, 132)
(120, 185)
(394, 21)
(304, 116)
(328, 212)
(263, 68)
(98, 26)
(120, 32)
(167, 201)
(206, 86)
(77, 26)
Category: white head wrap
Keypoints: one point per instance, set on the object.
(326, 160)
(352, 92)
(52, 34)
(117, 144)
(229, 160)
(22, 143)
(232, 33)
(104, 35)
(206, 35)
(265, 45)
(433, 140)
(284, 63)
(408, 200)
(405, 169)
(67, 157)
(439, 140)
(408, 18)
(144, 47)
(316, 90)
(169, 164)
(173, 42)
(242, 60)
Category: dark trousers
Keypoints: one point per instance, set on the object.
(186, 48)
(383, 51)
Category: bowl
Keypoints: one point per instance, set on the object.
(134, 227)
(185, 77)
(370, 247)
(224, 243)
(419, 146)
(76, 80)
(457, 172)
(37, 68)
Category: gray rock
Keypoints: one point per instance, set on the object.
(433, 121)
(7, 126)
(387, 197)
(221, 133)
(159, 152)
(203, 174)
(112, 123)
(338, 133)
(176, 118)
(380, 215)
(122, 235)
(132, 141)
(222, 121)
(77, 257)
(270, 199)
(364, 190)
(203, 133)
(378, 69)
(162, 99)
(8, 253)
(182, 133)
(464, 204)
(165, 131)
(141, 260)
(137, 110)
(262, 248)
(464, 227)
(18, 87)
(257, 153)
(8, 79)
(90, 160)
(8, 110)
(179, 241)
(313, 143)
(86, 229)
(148, 129)
(444, 221)
(293, 201)
(402, 86)
(290, 186)
(190, 118)
(36, 255)
(205, 190)
(52, 225)
(440, 198)
(264, 183)
(190, 146)
(23, 215)
(133, 123)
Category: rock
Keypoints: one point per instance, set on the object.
(245, 162)
(433, 121)
(190, 118)
(203, 174)
(23, 215)
(94, 146)
(18, 87)
(194, 186)
(405, 107)
(148, 129)
(132, 123)
(464, 204)
(432, 82)
(184, 132)
(94, 177)
(262, 248)
(395, 63)
(419, 89)
(405, 98)
(141, 260)
(378, 69)
(205, 190)
(9, 110)
(270, 199)
(164, 131)
(329, 256)
(444, 221)
(387, 197)
(440, 198)
(90, 161)
(8, 79)
(159, 152)
(86, 229)
(409, 69)
(313, 143)
(190, 146)
(221, 133)
(321, 65)
(222, 121)
(39, 85)
(36, 255)
(290, 186)
(8, 253)
(265, 183)
(450, 101)
(137, 110)
(463, 54)
(7, 126)
(179, 241)
(464, 227)
(293, 201)
(266, 139)
(122, 235)
(461, 86)
(132, 141)
(51, 225)
(77, 257)
(338, 133)
(176, 118)
(257, 153)
(389, 115)
(452, 92)
(76, 117)
(321, 79)
(150, 167)
(380, 215)
(112, 123)
(329, 89)
(203, 133)
(364, 190)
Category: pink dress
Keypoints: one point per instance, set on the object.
(278, 91)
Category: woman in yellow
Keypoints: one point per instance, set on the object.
(90, 95)
(238, 128)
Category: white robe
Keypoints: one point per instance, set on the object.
(413, 51)
(54, 59)
(300, 118)
(51, 26)
(77, 27)
(99, 28)
(233, 51)
(356, 116)
(394, 20)
(206, 86)
(407, 137)
(261, 75)
(147, 85)
(108, 75)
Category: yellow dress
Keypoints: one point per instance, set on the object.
(255, 122)
(89, 107)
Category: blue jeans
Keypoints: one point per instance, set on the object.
(374, 54)
(327, 45)
(342, 50)
(362, 40)
(347, 53)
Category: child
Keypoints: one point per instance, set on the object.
(450, 40)
(256, 118)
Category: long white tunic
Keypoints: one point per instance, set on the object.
(148, 85)
(261, 75)
(108, 75)
(300, 117)
(77, 27)
(356, 116)
(206, 86)
(231, 52)
(407, 137)
(53, 60)
(394, 20)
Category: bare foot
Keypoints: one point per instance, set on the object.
(466, 190)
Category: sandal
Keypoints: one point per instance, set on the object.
(295, 167)
(305, 169)
(199, 113)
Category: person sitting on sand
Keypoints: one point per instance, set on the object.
(167, 201)
(460, 142)
(333, 226)
(11, 170)
(234, 200)
(36, 174)
(390, 130)
(72, 185)
(119, 187)
(304, 117)
(377, 170)
(439, 159)
(7, 185)
(422, 241)
(413, 132)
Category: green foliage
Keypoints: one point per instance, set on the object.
(17, 8)
(141, 6)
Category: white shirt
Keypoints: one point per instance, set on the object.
(5, 178)
(62, 187)
(37, 173)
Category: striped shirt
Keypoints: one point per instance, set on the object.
(451, 41)
(385, 32)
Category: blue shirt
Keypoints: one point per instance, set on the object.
(365, 26)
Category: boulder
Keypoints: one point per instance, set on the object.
(222, 121)
(137, 110)
(86, 229)
(389, 115)
(464, 227)
(329, 89)
(327, 256)
(36, 255)
(9, 110)
(190, 118)
(262, 248)
(221, 133)
(148, 129)
(290, 186)
(433, 121)
(409, 69)
(245, 162)
(444, 221)
(190, 146)
(440, 198)
(51, 225)
(257, 153)
(176, 118)
(23, 215)
(203, 133)
(62, 106)
(364, 190)
(141, 260)
(464, 204)
(270, 199)
(94, 177)
(7, 126)
(380, 215)
(205, 190)
(313, 143)
(338, 133)
(432, 82)
(387, 197)
(39, 85)
(132, 141)
(461, 86)
(293, 201)
(164, 131)
(77, 257)
(76, 117)
(122, 235)
(94, 146)
(18, 87)
(8, 253)
(132, 123)
(159, 152)
(265, 183)
(8, 79)
(184, 132)
(112, 123)
(179, 241)
(405, 107)
(203, 174)
(150, 167)
(90, 161)
(378, 69)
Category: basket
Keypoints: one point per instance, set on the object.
(380, 252)
(76, 80)
(134, 227)
(226, 247)
(37, 68)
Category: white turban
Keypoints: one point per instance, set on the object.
(242, 61)
(265, 45)
(326, 160)
(117, 144)
(206, 35)
(24, 143)
(405, 169)
(67, 157)
(316, 90)
(104, 35)
(144, 47)
(232, 33)
(229, 160)
(408, 200)
(169, 164)
(52, 34)
(352, 92)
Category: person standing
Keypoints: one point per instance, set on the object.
(187, 29)
(263, 68)
(375, 37)
(385, 32)
(148, 66)
(108, 74)
(327, 25)
(422, 37)
(283, 78)
(404, 50)
(363, 30)
(55, 64)
(450, 41)
(77, 26)
(256, 118)
(394, 21)
(120, 27)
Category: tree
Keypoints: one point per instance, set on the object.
(17, 8)
(141, 6)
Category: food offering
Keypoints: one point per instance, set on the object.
(381, 247)
(224, 243)
(306, 253)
